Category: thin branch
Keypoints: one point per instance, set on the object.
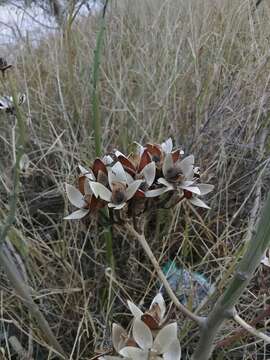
(240, 332)
(251, 329)
(141, 238)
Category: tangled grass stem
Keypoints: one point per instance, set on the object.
(141, 238)
(24, 293)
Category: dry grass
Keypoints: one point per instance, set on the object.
(194, 70)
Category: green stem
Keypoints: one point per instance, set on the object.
(95, 78)
(224, 307)
(97, 121)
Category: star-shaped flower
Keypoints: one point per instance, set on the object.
(121, 187)
(165, 345)
(154, 317)
(83, 198)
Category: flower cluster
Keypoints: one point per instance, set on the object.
(151, 171)
(150, 337)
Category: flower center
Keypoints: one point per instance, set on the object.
(172, 173)
(118, 193)
(156, 158)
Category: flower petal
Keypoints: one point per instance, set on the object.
(119, 153)
(205, 188)
(118, 337)
(166, 183)
(129, 178)
(164, 337)
(142, 334)
(198, 202)
(87, 187)
(167, 146)
(188, 183)
(192, 189)
(117, 174)
(144, 160)
(186, 166)
(76, 215)
(75, 196)
(134, 353)
(107, 159)
(127, 164)
(173, 352)
(136, 312)
(158, 299)
(167, 164)
(156, 192)
(87, 172)
(149, 173)
(101, 191)
(140, 148)
(132, 188)
(116, 207)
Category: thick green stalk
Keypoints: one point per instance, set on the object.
(97, 120)
(95, 77)
(224, 307)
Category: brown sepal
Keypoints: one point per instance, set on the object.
(139, 194)
(81, 183)
(127, 165)
(98, 165)
(187, 194)
(96, 204)
(145, 159)
(176, 155)
(154, 151)
(152, 317)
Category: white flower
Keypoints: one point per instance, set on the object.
(122, 187)
(167, 147)
(119, 337)
(78, 200)
(87, 173)
(145, 169)
(165, 345)
(155, 316)
(194, 200)
(177, 175)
